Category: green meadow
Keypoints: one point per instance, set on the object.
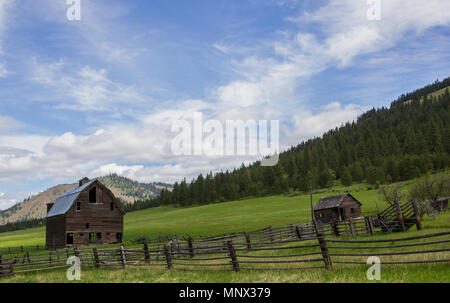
(212, 219)
(243, 215)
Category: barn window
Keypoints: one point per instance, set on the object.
(93, 195)
(70, 238)
(119, 236)
(81, 235)
(352, 210)
(78, 206)
(111, 206)
(87, 225)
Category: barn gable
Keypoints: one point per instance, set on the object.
(86, 214)
(65, 202)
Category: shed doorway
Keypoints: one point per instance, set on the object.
(341, 213)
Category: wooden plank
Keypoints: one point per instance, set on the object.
(417, 215)
(232, 254)
(168, 257)
(325, 255)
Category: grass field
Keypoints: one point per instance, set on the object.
(248, 214)
(243, 215)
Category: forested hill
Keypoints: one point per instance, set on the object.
(129, 190)
(384, 145)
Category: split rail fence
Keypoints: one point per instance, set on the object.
(290, 248)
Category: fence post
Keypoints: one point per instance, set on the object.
(168, 257)
(191, 247)
(416, 214)
(232, 252)
(122, 256)
(400, 217)
(370, 224)
(352, 227)
(298, 232)
(271, 234)
(96, 258)
(249, 243)
(367, 224)
(77, 253)
(335, 228)
(291, 230)
(146, 253)
(324, 249)
(28, 257)
(50, 257)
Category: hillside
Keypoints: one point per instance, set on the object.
(384, 145)
(234, 216)
(123, 188)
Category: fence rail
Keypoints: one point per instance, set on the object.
(273, 249)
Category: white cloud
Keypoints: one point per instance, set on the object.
(8, 123)
(308, 124)
(6, 203)
(86, 89)
(123, 170)
(345, 34)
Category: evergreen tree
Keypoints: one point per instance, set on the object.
(346, 178)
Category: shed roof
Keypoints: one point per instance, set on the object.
(332, 201)
(64, 202)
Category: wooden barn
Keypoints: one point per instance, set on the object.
(337, 208)
(83, 215)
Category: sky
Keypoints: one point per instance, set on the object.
(99, 95)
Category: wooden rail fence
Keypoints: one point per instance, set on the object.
(269, 249)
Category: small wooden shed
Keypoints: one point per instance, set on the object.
(337, 208)
(85, 214)
(439, 205)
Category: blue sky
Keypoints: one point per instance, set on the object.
(96, 96)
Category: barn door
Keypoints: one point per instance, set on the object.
(342, 213)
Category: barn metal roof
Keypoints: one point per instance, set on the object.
(331, 201)
(63, 203)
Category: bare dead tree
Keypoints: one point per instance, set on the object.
(391, 194)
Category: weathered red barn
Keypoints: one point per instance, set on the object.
(337, 208)
(83, 215)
